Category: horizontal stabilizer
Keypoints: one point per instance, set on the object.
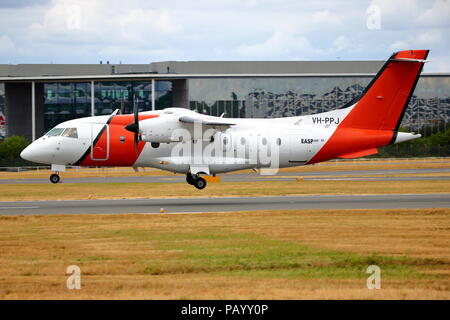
(406, 136)
(410, 60)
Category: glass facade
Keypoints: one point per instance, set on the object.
(65, 101)
(2, 112)
(284, 97)
(233, 97)
(430, 103)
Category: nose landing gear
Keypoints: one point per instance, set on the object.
(56, 169)
(196, 181)
(54, 178)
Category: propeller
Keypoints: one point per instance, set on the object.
(134, 126)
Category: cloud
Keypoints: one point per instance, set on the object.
(410, 14)
(438, 64)
(280, 44)
(7, 46)
(139, 31)
(149, 20)
(344, 44)
(430, 38)
(437, 15)
(400, 45)
(22, 3)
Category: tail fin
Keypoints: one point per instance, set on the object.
(383, 103)
(375, 118)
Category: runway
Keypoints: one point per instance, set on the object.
(347, 175)
(222, 204)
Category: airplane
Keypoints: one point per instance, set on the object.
(183, 141)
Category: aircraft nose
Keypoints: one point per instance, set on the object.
(27, 153)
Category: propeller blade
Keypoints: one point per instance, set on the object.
(133, 127)
(136, 114)
(136, 126)
(136, 144)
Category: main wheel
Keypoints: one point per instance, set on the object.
(54, 178)
(190, 179)
(200, 183)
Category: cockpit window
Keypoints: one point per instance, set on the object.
(70, 133)
(55, 132)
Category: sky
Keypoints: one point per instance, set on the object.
(144, 31)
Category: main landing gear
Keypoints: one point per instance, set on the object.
(54, 178)
(196, 181)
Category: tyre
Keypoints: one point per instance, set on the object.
(54, 178)
(200, 183)
(190, 179)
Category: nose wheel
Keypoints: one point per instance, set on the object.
(196, 181)
(54, 178)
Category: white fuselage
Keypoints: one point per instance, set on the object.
(209, 149)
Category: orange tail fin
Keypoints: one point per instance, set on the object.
(383, 103)
(374, 120)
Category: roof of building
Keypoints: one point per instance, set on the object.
(186, 69)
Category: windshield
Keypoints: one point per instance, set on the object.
(70, 133)
(55, 132)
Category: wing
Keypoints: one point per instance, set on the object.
(215, 122)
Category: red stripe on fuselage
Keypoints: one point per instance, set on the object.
(351, 140)
(120, 153)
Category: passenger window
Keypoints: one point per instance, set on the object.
(55, 132)
(226, 141)
(264, 141)
(70, 133)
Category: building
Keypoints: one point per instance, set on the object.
(34, 98)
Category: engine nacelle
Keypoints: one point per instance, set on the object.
(161, 129)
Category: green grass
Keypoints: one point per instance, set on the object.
(222, 252)
(286, 254)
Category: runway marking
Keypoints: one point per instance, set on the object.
(342, 179)
(326, 195)
(5, 208)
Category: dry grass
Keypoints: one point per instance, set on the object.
(66, 191)
(244, 255)
(337, 176)
(369, 164)
(86, 173)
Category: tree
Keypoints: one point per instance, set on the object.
(11, 147)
